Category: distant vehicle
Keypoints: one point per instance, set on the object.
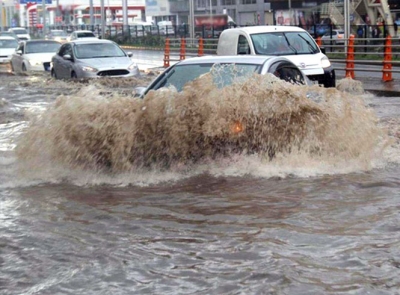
(188, 70)
(337, 37)
(77, 35)
(34, 55)
(163, 28)
(207, 26)
(21, 33)
(57, 35)
(288, 41)
(9, 34)
(8, 45)
(319, 30)
(91, 58)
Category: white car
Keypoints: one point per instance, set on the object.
(190, 69)
(21, 33)
(92, 58)
(34, 55)
(336, 37)
(83, 34)
(7, 48)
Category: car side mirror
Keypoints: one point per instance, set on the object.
(19, 52)
(67, 57)
(129, 54)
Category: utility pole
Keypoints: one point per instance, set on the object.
(1, 16)
(191, 18)
(91, 13)
(103, 26)
(44, 17)
(346, 22)
(125, 16)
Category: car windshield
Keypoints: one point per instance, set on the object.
(58, 33)
(41, 47)
(8, 43)
(98, 50)
(20, 31)
(223, 74)
(284, 43)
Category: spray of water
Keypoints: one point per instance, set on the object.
(266, 121)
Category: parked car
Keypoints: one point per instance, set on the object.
(92, 58)
(336, 36)
(187, 70)
(9, 34)
(34, 55)
(21, 33)
(57, 35)
(76, 35)
(7, 48)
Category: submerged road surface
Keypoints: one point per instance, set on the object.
(321, 218)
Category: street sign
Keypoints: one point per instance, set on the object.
(33, 1)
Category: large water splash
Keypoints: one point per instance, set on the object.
(263, 120)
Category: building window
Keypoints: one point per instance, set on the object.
(201, 4)
(228, 2)
(249, 1)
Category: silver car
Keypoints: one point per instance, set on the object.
(92, 58)
(190, 69)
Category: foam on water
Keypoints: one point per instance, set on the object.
(262, 127)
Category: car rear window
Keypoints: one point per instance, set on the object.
(20, 31)
(85, 35)
(223, 74)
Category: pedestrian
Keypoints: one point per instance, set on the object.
(360, 32)
(375, 33)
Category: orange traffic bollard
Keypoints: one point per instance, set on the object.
(182, 53)
(319, 41)
(166, 53)
(200, 52)
(350, 58)
(387, 61)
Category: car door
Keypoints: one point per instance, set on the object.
(62, 66)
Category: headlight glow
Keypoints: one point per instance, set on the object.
(89, 69)
(325, 63)
(132, 66)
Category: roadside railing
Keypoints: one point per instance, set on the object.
(356, 54)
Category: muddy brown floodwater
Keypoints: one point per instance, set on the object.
(103, 193)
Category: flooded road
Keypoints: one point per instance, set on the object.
(323, 220)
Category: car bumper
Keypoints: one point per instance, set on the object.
(4, 60)
(110, 73)
(328, 78)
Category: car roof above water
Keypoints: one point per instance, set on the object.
(91, 40)
(6, 38)
(253, 59)
(266, 29)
